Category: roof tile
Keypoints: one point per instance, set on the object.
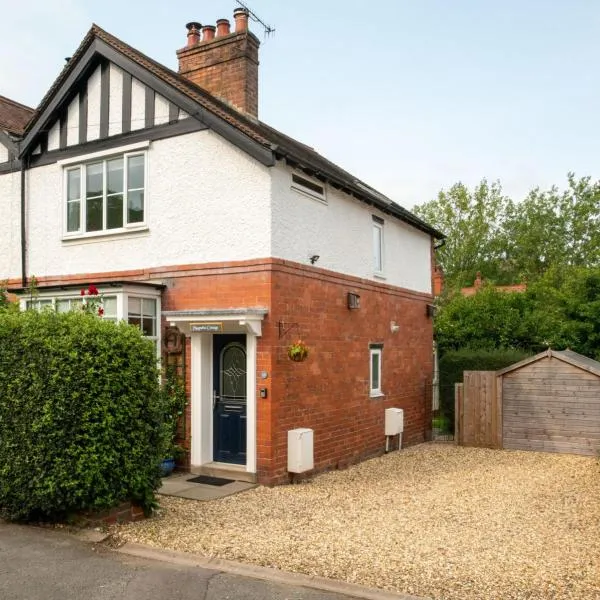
(14, 116)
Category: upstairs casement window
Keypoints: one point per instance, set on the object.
(106, 195)
(378, 254)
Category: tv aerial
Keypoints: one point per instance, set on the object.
(268, 30)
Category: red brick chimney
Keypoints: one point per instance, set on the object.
(224, 63)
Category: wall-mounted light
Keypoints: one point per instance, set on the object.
(353, 301)
(314, 258)
(430, 310)
(394, 327)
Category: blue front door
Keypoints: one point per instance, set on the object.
(229, 406)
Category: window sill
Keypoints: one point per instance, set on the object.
(376, 395)
(379, 276)
(99, 236)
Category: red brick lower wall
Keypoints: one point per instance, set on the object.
(329, 392)
(126, 512)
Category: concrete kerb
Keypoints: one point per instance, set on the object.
(266, 573)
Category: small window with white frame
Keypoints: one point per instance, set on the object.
(375, 369)
(105, 195)
(313, 188)
(378, 255)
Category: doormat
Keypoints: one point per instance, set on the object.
(207, 480)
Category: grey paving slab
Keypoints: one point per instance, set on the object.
(179, 486)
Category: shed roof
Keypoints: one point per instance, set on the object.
(567, 356)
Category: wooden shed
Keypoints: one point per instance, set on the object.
(551, 402)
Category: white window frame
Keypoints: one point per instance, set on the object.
(378, 249)
(306, 191)
(81, 164)
(375, 350)
(122, 295)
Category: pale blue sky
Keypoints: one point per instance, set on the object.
(409, 95)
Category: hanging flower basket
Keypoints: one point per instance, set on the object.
(298, 351)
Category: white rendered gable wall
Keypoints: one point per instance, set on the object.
(208, 201)
(10, 219)
(340, 232)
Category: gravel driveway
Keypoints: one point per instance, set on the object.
(432, 520)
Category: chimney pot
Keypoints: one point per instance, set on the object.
(208, 33)
(223, 27)
(241, 19)
(193, 35)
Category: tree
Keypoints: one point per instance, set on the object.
(509, 241)
(472, 222)
(560, 310)
(550, 228)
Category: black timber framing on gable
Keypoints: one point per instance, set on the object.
(99, 49)
(9, 144)
(13, 163)
(83, 114)
(104, 98)
(127, 82)
(150, 101)
(116, 141)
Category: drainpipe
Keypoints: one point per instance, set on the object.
(23, 241)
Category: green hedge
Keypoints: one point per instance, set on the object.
(454, 362)
(81, 415)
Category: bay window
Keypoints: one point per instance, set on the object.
(137, 304)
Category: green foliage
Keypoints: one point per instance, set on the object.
(509, 241)
(566, 306)
(561, 310)
(5, 303)
(174, 401)
(454, 362)
(490, 319)
(80, 415)
(471, 220)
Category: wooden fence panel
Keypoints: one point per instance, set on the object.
(478, 411)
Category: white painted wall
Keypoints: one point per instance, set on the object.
(341, 233)
(138, 105)
(207, 201)
(54, 136)
(161, 110)
(10, 219)
(93, 102)
(3, 154)
(115, 103)
(73, 122)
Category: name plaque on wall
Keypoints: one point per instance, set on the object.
(206, 327)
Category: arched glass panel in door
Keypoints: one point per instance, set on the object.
(233, 372)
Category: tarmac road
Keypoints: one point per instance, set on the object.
(47, 564)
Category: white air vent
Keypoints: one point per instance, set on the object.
(310, 187)
(300, 450)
